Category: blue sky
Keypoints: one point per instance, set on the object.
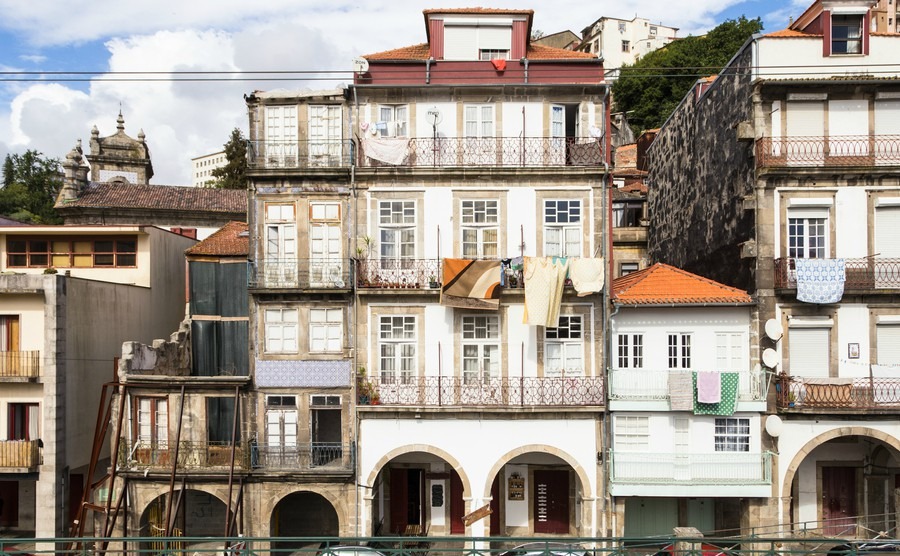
(187, 119)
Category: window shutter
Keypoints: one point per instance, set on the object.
(887, 341)
(887, 240)
(809, 351)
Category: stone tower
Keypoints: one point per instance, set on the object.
(120, 157)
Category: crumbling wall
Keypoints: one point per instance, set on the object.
(170, 357)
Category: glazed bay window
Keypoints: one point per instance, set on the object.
(630, 351)
(562, 228)
(480, 348)
(72, 253)
(397, 233)
(732, 434)
(393, 121)
(397, 348)
(808, 234)
(480, 220)
(325, 330)
(679, 351)
(564, 348)
(281, 330)
(847, 33)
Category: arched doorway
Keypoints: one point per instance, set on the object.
(302, 514)
(195, 513)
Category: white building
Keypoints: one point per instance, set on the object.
(202, 168)
(622, 41)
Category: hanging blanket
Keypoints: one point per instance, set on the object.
(544, 282)
(728, 389)
(681, 391)
(471, 284)
(820, 280)
(390, 150)
(586, 275)
(709, 387)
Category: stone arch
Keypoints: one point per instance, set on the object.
(329, 497)
(541, 448)
(309, 514)
(208, 522)
(821, 439)
(386, 458)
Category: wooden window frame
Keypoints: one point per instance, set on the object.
(121, 256)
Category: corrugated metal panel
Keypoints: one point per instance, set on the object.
(437, 38)
(650, 517)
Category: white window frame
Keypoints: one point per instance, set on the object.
(487, 54)
(853, 44)
(326, 326)
(480, 350)
(732, 434)
(152, 419)
(564, 348)
(478, 121)
(807, 233)
(397, 348)
(630, 351)
(395, 120)
(397, 230)
(281, 328)
(632, 433)
(730, 352)
(678, 351)
(480, 219)
(567, 231)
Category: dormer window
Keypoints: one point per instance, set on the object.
(493, 54)
(847, 33)
(477, 39)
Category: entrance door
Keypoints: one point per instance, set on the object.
(326, 429)
(839, 501)
(551, 501)
(281, 432)
(495, 507)
(457, 505)
(406, 499)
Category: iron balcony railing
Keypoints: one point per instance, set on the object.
(841, 150)
(20, 453)
(320, 456)
(191, 454)
(654, 384)
(291, 154)
(275, 273)
(398, 273)
(855, 394)
(868, 273)
(716, 468)
(20, 364)
(487, 151)
(450, 391)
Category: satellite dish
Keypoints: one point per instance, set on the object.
(770, 358)
(360, 65)
(774, 330)
(774, 425)
(433, 116)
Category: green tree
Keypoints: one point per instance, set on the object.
(31, 182)
(234, 174)
(651, 89)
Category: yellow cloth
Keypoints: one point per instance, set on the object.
(544, 282)
(586, 275)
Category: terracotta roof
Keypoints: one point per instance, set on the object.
(626, 156)
(498, 11)
(534, 52)
(232, 239)
(790, 33)
(541, 52)
(414, 52)
(662, 284)
(160, 197)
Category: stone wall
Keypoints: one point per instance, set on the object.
(699, 174)
(169, 358)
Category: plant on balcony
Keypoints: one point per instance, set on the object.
(432, 282)
(366, 391)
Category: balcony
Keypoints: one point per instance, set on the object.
(844, 150)
(516, 152)
(191, 455)
(16, 455)
(398, 273)
(653, 385)
(862, 394)
(316, 456)
(715, 469)
(296, 154)
(20, 364)
(869, 273)
(455, 391)
(299, 274)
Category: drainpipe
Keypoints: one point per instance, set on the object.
(428, 70)
(607, 317)
(353, 320)
(525, 63)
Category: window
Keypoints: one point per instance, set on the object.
(398, 230)
(627, 268)
(621, 26)
(480, 348)
(393, 121)
(679, 351)
(324, 135)
(9, 333)
(732, 435)
(847, 34)
(809, 351)
(730, 352)
(631, 351)
(653, 30)
(220, 421)
(77, 253)
(397, 348)
(493, 54)
(887, 344)
(479, 229)
(564, 348)
(151, 420)
(281, 136)
(627, 214)
(562, 228)
(632, 433)
(325, 330)
(23, 421)
(281, 330)
(479, 120)
(807, 235)
(626, 46)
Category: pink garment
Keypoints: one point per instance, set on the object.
(709, 387)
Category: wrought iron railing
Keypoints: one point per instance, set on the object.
(492, 151)
(868, 273)
(20, 453)
(841, 150)
(398, 273)
(291, 154)
(322, 456)
(301, 274)
(714, 468)
(656, 384)
(20, 364)
(861, 393)
(191, 454)
(501, 392)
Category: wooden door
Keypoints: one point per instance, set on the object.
(839, 500)
(9, 503)
(551, 501)
(495, 507)
(457, 505)
(399, 497)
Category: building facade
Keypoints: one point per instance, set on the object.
(203, 166)
(623, 41)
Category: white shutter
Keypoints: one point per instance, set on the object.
(809, 351)
(495, 38)
(290, 428)
(887, 117)
(460, 43)
(805, 119)
(887, 238)
(848, 117)
(887, 341)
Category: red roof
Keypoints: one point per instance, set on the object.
(160, 197)
(231, 240)
(420, 52)
(496, 11)
(790, 33)
(662, 284)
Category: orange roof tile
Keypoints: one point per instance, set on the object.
(789, 33)
(535, 52)
(498, 11)
(231, 240)
(541, 52)
(414, 52)
(662, 284)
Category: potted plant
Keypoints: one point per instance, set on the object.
(432, 282)
(513, 280)
(364, 387)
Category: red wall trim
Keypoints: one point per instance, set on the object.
(867, 23)
(826, 33)
(519, 40)
(437, 38)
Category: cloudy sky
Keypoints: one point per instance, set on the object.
(66, 67)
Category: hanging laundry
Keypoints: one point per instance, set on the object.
(728, 389)
(709, 387)
(586, 275)
(544, 282)
(471, 284)
(820, 280)
(681, 391)
(390, 150)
